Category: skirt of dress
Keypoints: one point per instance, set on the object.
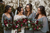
(39, 32)
(7, 31)
(29, 31)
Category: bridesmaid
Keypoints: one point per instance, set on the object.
(41, 16)
(29, 14)
(7, 15)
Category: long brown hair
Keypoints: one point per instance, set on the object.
(30, 5)
(19, 9)
(6, 10)
(42, 10)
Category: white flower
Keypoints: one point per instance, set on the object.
(35, 21)
(7, 25)
(17, 24)
(39, 28)
(28, 21)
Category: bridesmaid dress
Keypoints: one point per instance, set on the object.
(5, 17)
(45, 25)
(32, 16)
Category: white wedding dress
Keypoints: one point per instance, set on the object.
(16, 17)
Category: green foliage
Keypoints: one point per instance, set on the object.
(2, 7)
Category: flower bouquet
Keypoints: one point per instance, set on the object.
(28, 24)
(34, 25)
(19, 24)
(38, 25)
(7, 24)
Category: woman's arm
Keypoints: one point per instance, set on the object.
(2, 21)
(45, 24)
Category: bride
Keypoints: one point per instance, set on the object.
(19, 16)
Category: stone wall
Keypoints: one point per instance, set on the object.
(35, 3)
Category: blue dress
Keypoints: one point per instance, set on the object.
(5, 17)
(45, 25)
(32, 16)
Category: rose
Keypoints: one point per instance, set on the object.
(34, 28)
(5, 22)
(24, 20)
(6, 25)
(33, 23)
(10, 22)
(16, 22)
(37, 22)
(20, 21)
(16, 26)
(37, 27)
(21, 25)
(30, 21)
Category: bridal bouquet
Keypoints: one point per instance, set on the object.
(18, 24)
(28, 24)
(7, 24)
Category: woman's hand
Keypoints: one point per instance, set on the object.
(19, 29)
(26, 26)
(36, 13)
